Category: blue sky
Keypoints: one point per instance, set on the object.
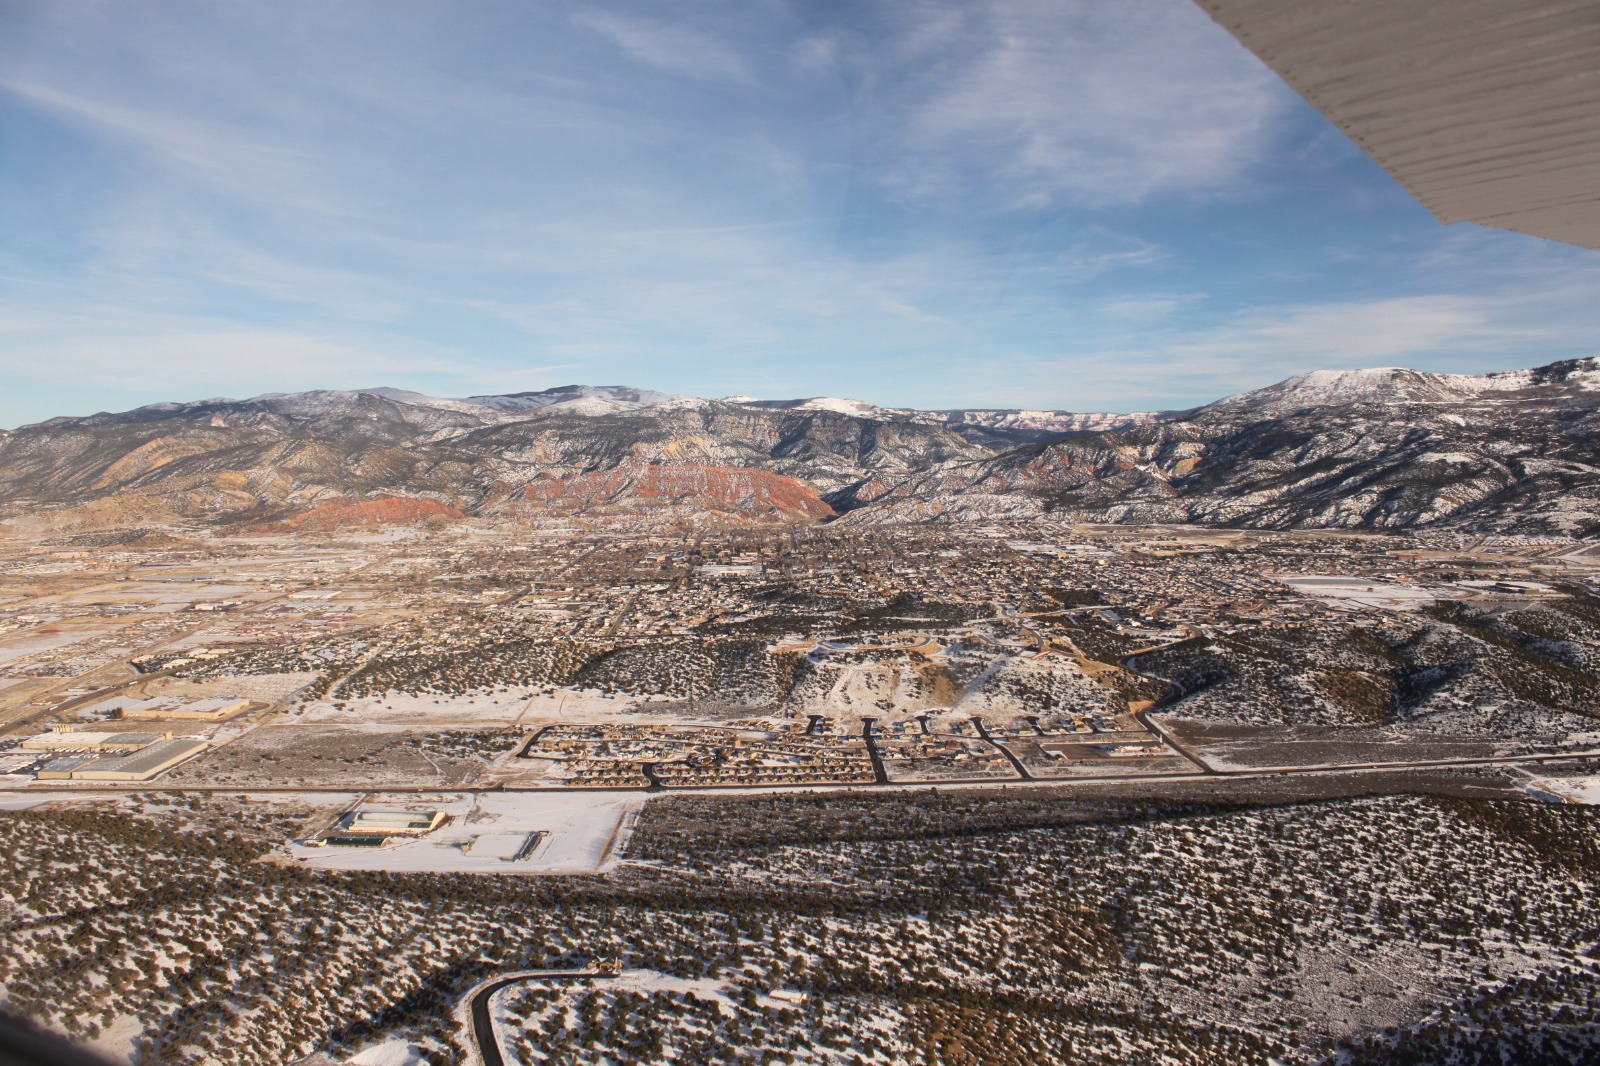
(1079, 205)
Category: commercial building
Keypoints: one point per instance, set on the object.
(374, 828)
(394, 823)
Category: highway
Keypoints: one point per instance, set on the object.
(57, 789)
(97, 695)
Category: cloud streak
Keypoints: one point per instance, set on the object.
(667, 47)
(1042, 102)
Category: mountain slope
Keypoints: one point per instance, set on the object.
(272, 458)
(1358, 450)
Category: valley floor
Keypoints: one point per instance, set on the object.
(1004, 793)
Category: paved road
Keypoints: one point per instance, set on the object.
(98, 693)
(364, 662)
(488, 1046)
(21, 724)
(565, 570)
(879, 774)
(523, 754)
(1144, 719)
(1172, 693)
(1016, 763)
(622, 616)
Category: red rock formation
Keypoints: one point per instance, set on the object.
(741, 489)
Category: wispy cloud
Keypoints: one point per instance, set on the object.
(140, 354)
(1091, 103)
(217, 156)
(666, 46)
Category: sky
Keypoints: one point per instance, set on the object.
(936, 203)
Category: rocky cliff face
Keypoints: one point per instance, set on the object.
(1361, 449)
(638, 487)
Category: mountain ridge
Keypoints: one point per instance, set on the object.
(1381, 448)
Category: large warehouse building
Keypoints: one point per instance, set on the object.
(82, 755)
(143, 764)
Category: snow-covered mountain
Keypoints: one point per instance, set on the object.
(582, 400)
(1516, 451)
(858, 408)
(1040, 423)
(602, 400)
(1383, 448)
(1397, 385)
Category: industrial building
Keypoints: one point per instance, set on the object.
(62, 767)
(210, 710)
(66, 738)
(143, 764)
(84, 755)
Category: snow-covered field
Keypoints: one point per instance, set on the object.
(583, 834)
(389, 1053)
(1362, 591)
(1584, 790)
(18, 801)
(398, 709)
(477, 708)
(25, 642)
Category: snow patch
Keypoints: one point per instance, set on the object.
(389, 1053)
(582, 400)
